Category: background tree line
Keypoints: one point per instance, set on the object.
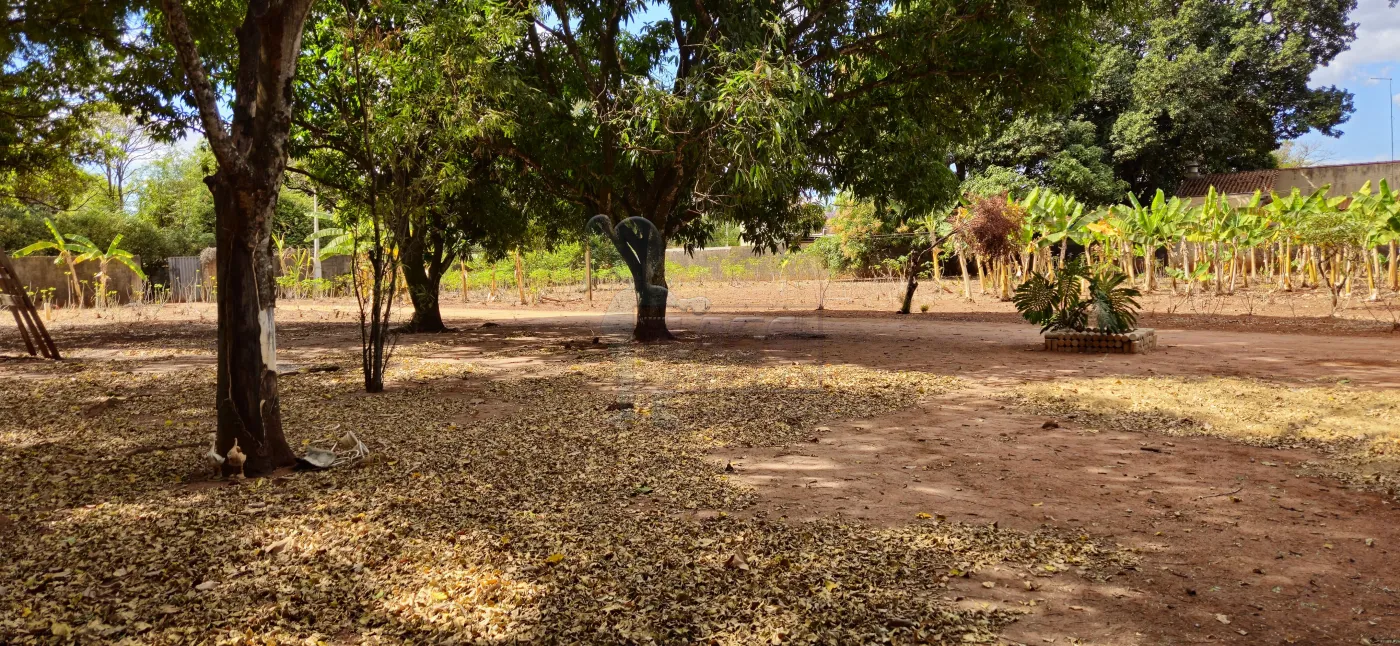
(435, 127)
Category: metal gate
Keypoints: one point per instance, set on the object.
(186, 279)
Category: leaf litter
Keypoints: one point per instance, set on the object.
(1358, 428)
(559, 521)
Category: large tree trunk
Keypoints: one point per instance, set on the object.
(251, 154)
(651, 315)
(644, 250)
(423, 290)
(913, 282)
(909, 288)
(246, 395)
(422, 276)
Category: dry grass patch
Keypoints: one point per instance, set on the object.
(1359, 427)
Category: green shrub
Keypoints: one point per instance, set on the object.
(1059, 303)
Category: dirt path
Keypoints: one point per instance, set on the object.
(1225, 532)
(1221, 528)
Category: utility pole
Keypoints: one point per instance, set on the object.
(315, 239)
(1390, 101)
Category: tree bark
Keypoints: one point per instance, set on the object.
(425, 256)
(912, 283)
(651, 316)
(424, 285)
(246, 394)
(251, 156)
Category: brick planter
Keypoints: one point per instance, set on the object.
(1135, 342)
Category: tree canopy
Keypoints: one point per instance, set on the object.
(695, 113)
(1209, 82)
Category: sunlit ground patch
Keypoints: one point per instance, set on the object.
(1359, 427)
(562, 517)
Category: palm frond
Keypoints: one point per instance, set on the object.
(1115, 305)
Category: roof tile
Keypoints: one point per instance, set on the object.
(1228, 183)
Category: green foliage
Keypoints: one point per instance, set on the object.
(1054, 303)
(171, 194)
(1059, 303)
(1061, 154)
(1115, 306)
(59, 244)
(174, 212)
(1213, 82)
(865, 238)
(561, 265)
(998, 180)
(86, 251)
(398, 104)
(737, 112)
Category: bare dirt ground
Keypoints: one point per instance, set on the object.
(1230, 541)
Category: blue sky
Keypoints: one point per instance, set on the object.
(1376, 52)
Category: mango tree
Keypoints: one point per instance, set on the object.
(707, 113)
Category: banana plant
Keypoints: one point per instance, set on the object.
(1286, 212)
(1291, 213)
(1217, 223)
(89, 251)
(1102, 230)
(1255, 230)
(1380, 213)
(1149, 227)
(1057, 218)
(335, 241)
(66, 256)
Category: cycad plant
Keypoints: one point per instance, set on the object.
(1060, 303)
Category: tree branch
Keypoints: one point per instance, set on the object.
(566, 35)
(318, 179)
(201, 89)
(851, 48)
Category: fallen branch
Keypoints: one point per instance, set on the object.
(1217, 495)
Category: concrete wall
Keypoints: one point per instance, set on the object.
(39, 273)
(1345, 178)
(740, 263)
(335, 267)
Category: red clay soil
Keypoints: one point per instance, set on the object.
(1225, 532)
(1234, 545)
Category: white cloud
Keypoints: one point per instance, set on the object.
(1377, 41)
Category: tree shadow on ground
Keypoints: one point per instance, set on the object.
(556, 520)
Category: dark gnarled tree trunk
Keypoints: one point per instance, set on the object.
(644, 250)
(251, 154)
(423, 285)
